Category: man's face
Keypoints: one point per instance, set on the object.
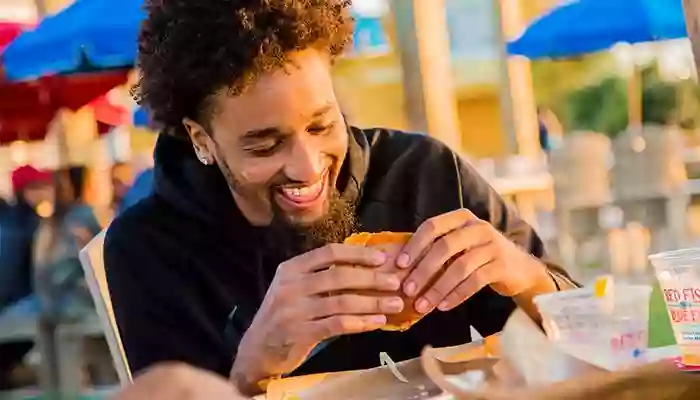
(281, 143)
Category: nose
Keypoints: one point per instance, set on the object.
(305, 163)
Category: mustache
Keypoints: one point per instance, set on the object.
(281, 180)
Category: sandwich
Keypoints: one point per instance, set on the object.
(390, 243)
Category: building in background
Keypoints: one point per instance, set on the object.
(372, 92)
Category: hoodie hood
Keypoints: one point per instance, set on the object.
(201, 192)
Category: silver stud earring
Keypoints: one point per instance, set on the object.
(203, 159)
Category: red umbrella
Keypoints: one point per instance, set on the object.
(27, 108)
(9, 31)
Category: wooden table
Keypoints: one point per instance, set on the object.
(524, 191)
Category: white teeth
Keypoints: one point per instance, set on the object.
(304, 191)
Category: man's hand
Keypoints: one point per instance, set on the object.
(302, 309)
(178, 382)
(472, 254)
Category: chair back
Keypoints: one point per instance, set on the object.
(91, 257)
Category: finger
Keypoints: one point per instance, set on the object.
(349, 278)
(335, 253)
(429, 231)
(354, 304)
(443, 250)
(338, 325)
(457, 272)
(478, 280)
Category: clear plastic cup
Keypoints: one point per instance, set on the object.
(678, 273)
(610, 332)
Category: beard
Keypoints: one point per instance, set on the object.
(286, 239)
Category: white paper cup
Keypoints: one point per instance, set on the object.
(610, 332)
(678, 273)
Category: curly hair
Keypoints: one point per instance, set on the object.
(190, 49)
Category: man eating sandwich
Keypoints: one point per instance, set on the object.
(236, 263)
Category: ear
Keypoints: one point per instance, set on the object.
(202, 143)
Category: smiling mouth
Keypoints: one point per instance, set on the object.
(302, 196)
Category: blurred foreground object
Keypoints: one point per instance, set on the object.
(178, 381)
(519, 363)
(530, 367)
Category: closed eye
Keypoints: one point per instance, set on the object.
(267, 150)
(320, 129)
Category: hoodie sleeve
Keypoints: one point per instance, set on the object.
(479, 197)
(156, 319)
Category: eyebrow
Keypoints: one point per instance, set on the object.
(321, 111)
(261, 133)
(276, 131)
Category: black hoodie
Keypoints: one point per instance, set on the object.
(187, 272)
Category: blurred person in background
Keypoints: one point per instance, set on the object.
(543, 133)
(59, 280)
(62, 233)
(122, 175)
(550, 129)
(34, 194)
(4, 206)
(142, 187)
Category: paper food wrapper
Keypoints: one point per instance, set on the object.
(377, 383)
(523, 365)
(531, 367)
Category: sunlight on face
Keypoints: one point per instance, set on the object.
(281, 143)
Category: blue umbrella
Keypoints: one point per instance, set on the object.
(585, 26)
(92, 34)
(141, 117)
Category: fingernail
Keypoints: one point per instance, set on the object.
(410, 288)
(443, 306)
(422, 306)
(393, 304)
(392, 282)
(379, 258)
(377, 320)
(403, 260)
